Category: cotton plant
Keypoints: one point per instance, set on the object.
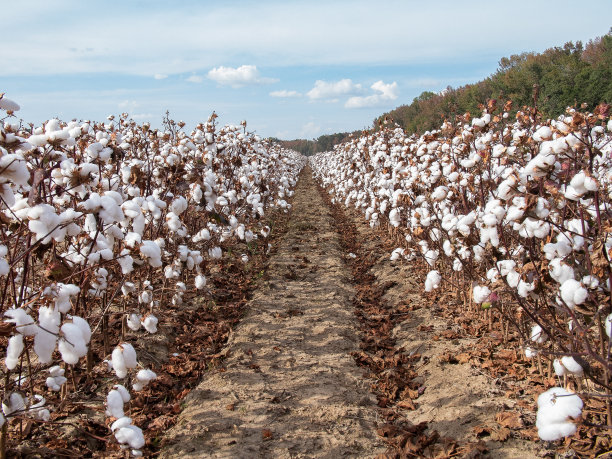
(515, 206)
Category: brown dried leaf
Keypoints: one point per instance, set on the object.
(509, 419)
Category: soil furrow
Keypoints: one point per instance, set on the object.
(289, 387)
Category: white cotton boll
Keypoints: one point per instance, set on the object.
(64, 293)
(8, 105)
(150, 323)
(127, 288)
(13, 351)
(215, 253)
(24, 324)
(143, 377)
(530, 352)
(543, 133)
(200, 281)
(573, 293)
(489, 234)
(394, 217)
(83, 326)
(133, 321)
(16, 403)
(590, 282)
(145, 297)
(492, 275)
(152, 252)
(244, 258)
(179, 205)
(125, 394)
(572, 366)
(71, 344)
(129, 355)
(433, 280)
(481, 293)
(609, 325)
(126, 262)
(46, 335)
(121, 422)
(525, 288)
(560, 370)
(114, 404)
(556, 408)
(431, 256)
(506, 266)
(118, 363)
(130, 435)
(559, 271)
(397, 254)
(537, 335)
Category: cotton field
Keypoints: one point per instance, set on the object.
(92, 215)
(513, 212)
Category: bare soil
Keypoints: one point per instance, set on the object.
(289, 385)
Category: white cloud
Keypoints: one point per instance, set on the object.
(310, 130)
(238, 77)
(333, 89)
(195, 79)
(160, 76)
(285, 94)
(169, 38)
(384, 93)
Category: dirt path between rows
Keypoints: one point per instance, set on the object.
(289, 387)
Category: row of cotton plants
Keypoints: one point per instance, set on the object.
(115, 218)
(514, 210)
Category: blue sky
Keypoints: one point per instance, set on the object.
(290, 68)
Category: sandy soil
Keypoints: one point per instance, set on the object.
(289, 387)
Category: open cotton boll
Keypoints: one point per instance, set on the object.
(179, 205)
(481, 294)
(215, 253)
(24, 324)
(133, 321)
(64, 293)
(530, 352)
(46, 335)
(15, 403)
(126, 261)
(121, 422)
(609, 325)
(14, 169)
(125, 394)
(152, 252)
(123, 358)
(200, 281)
(572, 366)
(71, 344)
(114, 404)
(143, 377)
(130, 435)
(537, 335)
(83, 326)
(150, 323)
(397, 254)
(13, 351)
(433, 280)
(573, 293)
(560, 370)
(556, 408)
(8, 105)
(56, 378)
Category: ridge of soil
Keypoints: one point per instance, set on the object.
(288, 386)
